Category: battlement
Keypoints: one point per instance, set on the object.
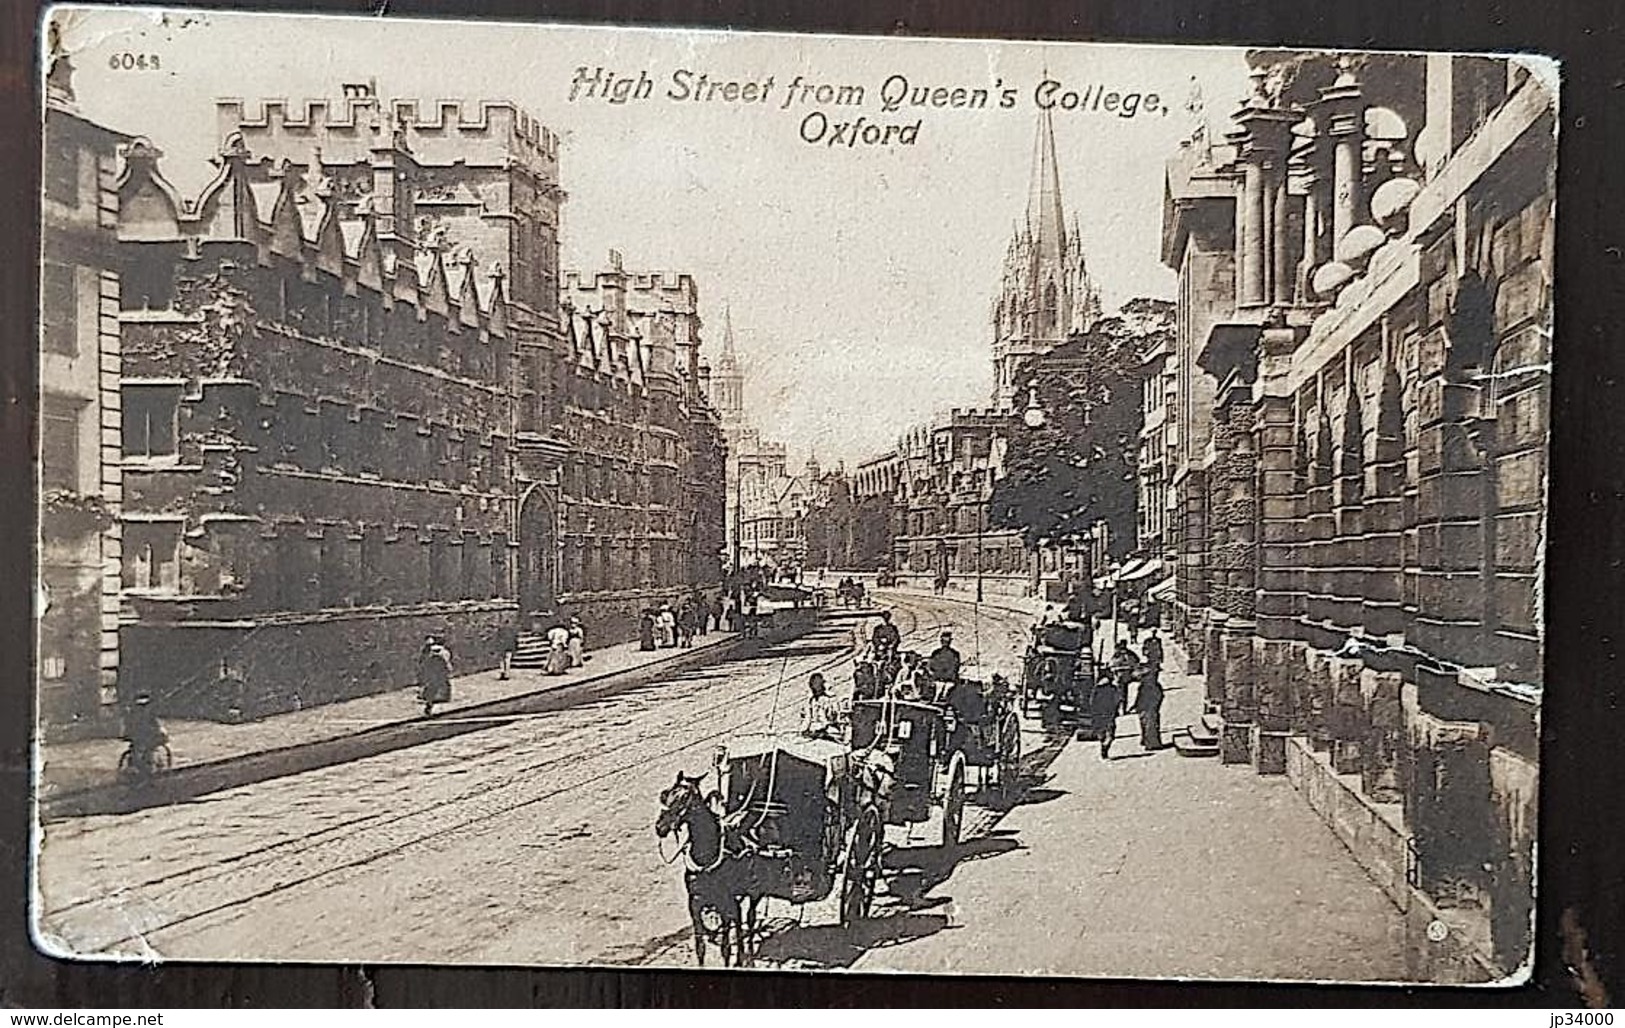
(677, 286)
(439, 131)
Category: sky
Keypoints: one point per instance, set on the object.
(859, 278)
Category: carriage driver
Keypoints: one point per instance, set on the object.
(820, 716)
(885, 638)
(944, 660)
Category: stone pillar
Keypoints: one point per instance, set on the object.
(1282, 279)
(1385, 720)
(1348, 581)
(1341, 110)
(1264, 271)
(1250, 245)
(1448, 796)
(1280, 529)
(1193, 559)
(1316, 239)
(1315, 702)
(1450, 507)
(1236, 508)
(1384, 514)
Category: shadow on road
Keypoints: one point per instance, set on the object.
(903, 914)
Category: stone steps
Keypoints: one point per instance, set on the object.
(1188, 744)
(531, 651)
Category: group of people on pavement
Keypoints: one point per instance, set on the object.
(1128, 669)
(664, 627)
(566, 646)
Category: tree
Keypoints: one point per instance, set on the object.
(1079, 466)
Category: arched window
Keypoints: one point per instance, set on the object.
(1052, 308)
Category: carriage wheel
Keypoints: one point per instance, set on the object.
(953, 803)
(862, 867)
(1009, 754)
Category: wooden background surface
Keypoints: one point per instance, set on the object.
(1582, 861)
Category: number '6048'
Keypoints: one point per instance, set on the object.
(133, 62)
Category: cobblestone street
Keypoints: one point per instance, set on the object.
(530, 843)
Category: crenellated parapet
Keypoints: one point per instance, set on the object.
(437, 131)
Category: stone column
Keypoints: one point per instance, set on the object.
(1341, 110)
(1264, 272)
(1250, 246)
(1315, 237)
(1282, 279)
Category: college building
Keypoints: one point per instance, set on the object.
(1362, 383)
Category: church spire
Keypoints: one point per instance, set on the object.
(1045, 219)
(730, 359)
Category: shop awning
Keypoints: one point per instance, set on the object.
(1163, 590)
(1140, 570)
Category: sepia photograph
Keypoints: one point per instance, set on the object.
(564, 496)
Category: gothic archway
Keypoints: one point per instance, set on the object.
(538, 552)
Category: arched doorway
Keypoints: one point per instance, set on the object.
(538, 553)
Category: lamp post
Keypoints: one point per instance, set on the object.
(1033, 417)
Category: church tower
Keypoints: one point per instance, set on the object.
(1045, 292)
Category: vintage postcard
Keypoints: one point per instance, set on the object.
(564, 496)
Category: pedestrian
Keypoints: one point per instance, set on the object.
(717, 611)
(646, 629)
(1108, 700)
(685, 625)
(1148, 704)
(558, 649)
(666, 624)
(507, 643)
(1124, 665)
(753, 616)
(1151, 650)
(578, 643)
(434, 674)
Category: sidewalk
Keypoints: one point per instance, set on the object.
(78, 765)
(1156, 865)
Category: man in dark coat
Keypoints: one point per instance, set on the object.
(885, 638)
(1148, 704)
(944, 660)
(1103, 712)
(1152, 650)
(1125, 663)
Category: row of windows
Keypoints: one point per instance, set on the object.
(600, 565)
(332, 572)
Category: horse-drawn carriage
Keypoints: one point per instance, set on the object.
(932, 746)
(792, 817)
(1058, 672)
(886, 579)
(850, 592)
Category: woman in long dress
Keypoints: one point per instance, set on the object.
(558, 650)
(578, 643)
(646, 630)
(434, 674)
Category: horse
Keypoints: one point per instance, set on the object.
(721, 900)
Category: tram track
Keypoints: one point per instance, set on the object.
(253, 875)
